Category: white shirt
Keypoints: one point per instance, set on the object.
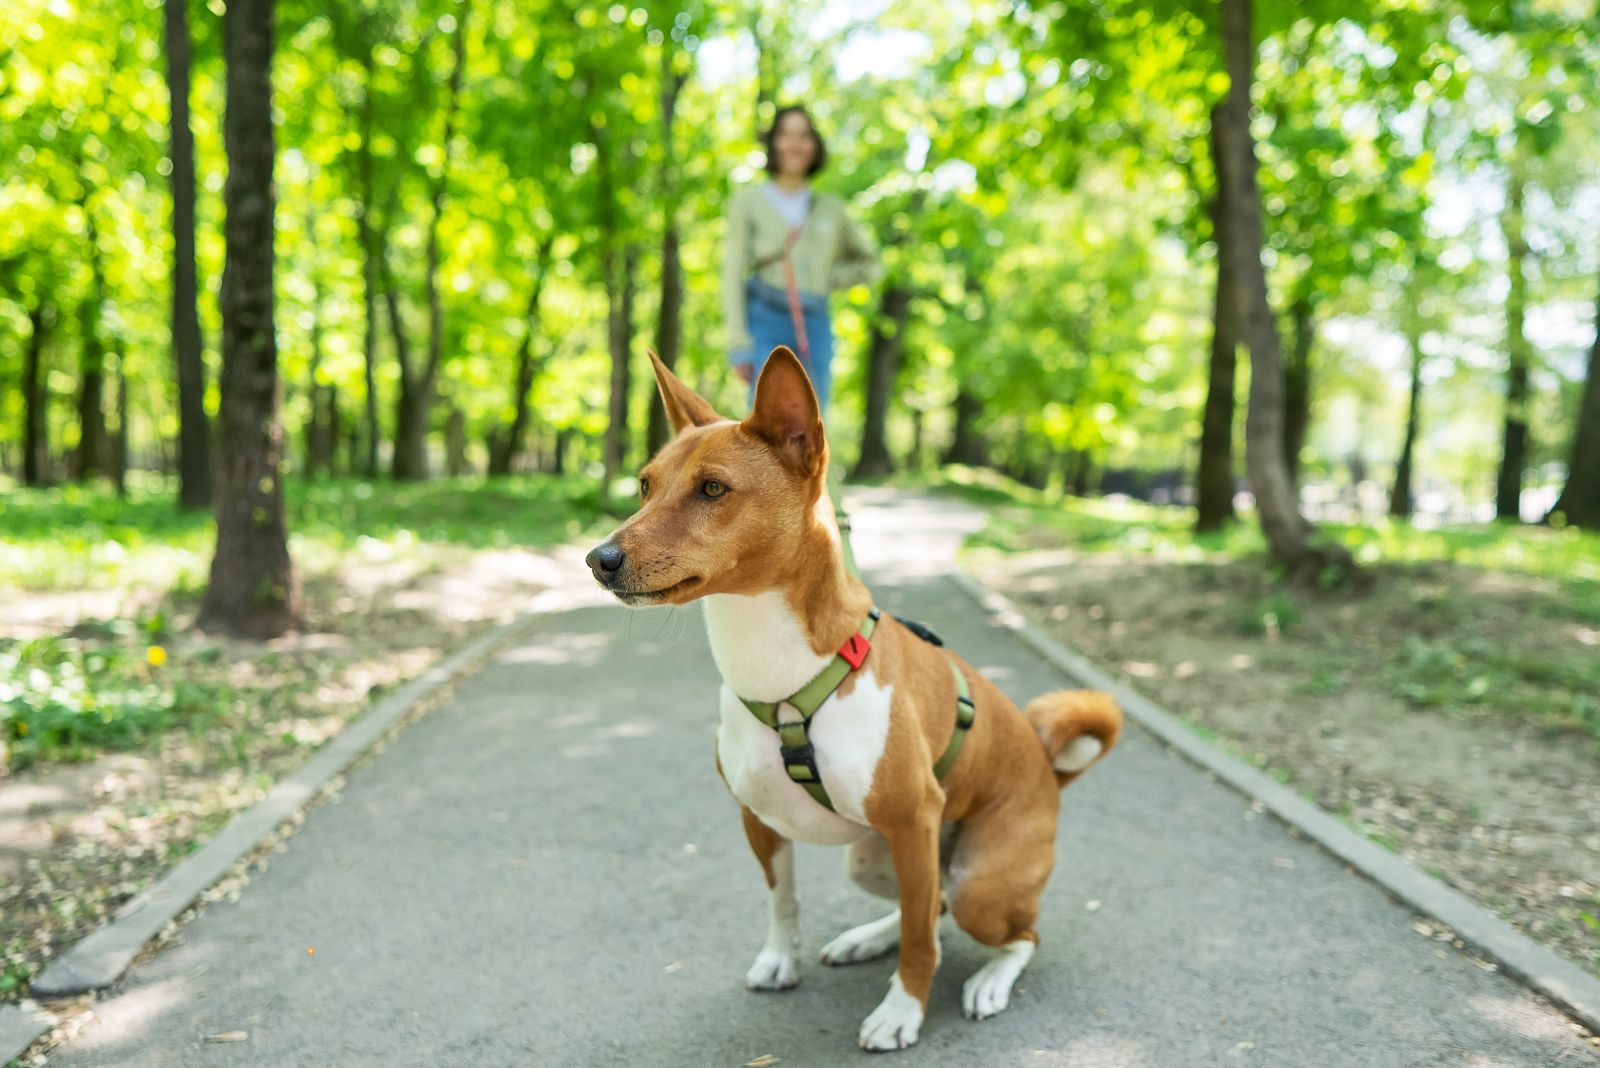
(792, 204)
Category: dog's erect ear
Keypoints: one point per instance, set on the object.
(685, 407)
(786, 414)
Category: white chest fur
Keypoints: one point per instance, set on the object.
(762, 654)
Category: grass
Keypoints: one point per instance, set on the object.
(80, 537)
(1024, 518)
(1451, 657)
(105, 683)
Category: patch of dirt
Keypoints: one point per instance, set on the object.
(1448, 713)
(79, 840)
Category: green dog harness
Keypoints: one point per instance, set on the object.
(794, 736)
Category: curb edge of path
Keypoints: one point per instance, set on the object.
(101, 957)
(1573, 991)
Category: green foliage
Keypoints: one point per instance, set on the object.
(1022, 518)
(1553, 685)
(1272, 616)
(1449, 658)
(82, 537)
(115, 684)
(1039, 183)
(67, 698)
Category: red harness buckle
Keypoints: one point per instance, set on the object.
(855, 650)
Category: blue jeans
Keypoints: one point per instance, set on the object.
(770, 325)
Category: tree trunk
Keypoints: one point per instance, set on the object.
(966, 444)
(1214, 480)
(620, 316)
(118, 442)
(323, 452)
(617, 267)
(1288, 535)
(767, 78)
(1400, 495)
(669, 320)
(1297, 388)
(1579, 503)
(194, 430)
(410, 427)
(35, 426)
(355, 450)
(318, 452)
(507, 447)
(455, 443)
(93, 454)
(917, 457)
(372, 253)
(1514, 455)
(252, 592)
(883, 363)
(558, 455)
(669, 329)
(1078, 472)
(417, 389)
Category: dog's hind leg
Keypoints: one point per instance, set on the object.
(774, 967)
(870, 867)
(867, 942)
(1001, 862)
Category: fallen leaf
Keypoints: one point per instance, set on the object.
(229, 1036)
(761, 1061)
(1092, 906)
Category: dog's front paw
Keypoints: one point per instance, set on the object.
(773, 970)
(895, 1023)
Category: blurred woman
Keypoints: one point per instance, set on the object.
(788, 247)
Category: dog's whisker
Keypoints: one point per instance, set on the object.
(665, 623)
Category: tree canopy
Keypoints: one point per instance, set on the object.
(483, 187)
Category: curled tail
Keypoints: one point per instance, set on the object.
(1077, 727)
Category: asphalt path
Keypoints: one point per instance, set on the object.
(546, 870)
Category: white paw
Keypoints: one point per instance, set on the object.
(894, 1024)
(867, 942)
(773, 970)
(988, 992)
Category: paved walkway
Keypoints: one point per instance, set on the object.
(546, 871)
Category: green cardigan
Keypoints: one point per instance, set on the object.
(832, 252)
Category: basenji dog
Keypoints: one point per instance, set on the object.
(841, 725)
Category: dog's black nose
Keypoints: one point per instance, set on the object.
(604, 560)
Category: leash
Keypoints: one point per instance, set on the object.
(791, 287)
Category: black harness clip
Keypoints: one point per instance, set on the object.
(800, 758)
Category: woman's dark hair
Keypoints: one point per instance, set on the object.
(769, 140)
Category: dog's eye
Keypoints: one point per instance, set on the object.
(713, 489)
(644, 488)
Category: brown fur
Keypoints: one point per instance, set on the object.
(1061, 717)
(767, 535)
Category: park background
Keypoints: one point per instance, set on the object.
(486, 210)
